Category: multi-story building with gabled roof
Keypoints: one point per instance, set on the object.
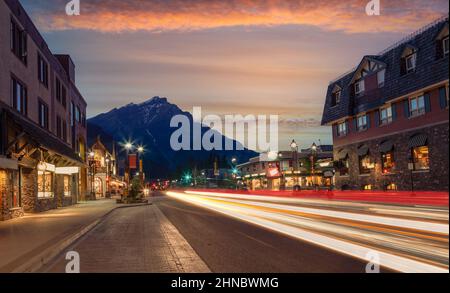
(390, 116)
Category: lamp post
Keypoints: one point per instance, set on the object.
(128, 147)
(108, 179)
(91, 158)
(140, 151)
(411, 171)
(294, 149)
(313, 154)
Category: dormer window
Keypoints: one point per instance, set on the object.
(381, 77)
(359, 87)
(409, 60)
(442, 43)
(410, 63)
(336, 96)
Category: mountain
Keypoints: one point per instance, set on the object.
(148, 124)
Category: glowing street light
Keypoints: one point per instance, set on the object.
(141, 149)
(128, 146)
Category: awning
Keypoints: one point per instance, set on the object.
(342, 155)
(6, 163)
(417, 141)
(386, 146)
(363, 150)
(43, 138)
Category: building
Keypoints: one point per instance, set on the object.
(104, 181)
(287, 170)
(390, 116)
(43, 121)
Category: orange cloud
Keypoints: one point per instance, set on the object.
(186, 15)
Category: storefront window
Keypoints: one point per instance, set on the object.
(388, 163)
(365, 164)
(67, 187)
(421, 158)
(45, 184)
(391, 186)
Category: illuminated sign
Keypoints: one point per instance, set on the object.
(132, 160)
(273, 172)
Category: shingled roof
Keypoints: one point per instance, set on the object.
(429, 70)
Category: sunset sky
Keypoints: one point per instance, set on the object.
(230, 57)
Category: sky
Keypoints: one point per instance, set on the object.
(229, 57)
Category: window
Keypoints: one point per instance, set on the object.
(64, 131)
(58, 89)
(18, 42)
(64, 97)
(43, 114)
(391, 186)
(72, 114)
(42, 70)
(342, 129)
(367, 187)
(67, 187)
(417, 106)
(58, 127)
(45, 184)
(445, 46)
(381, 77)
(365, 164)
(421, 158)
(77, 114)
(336, 98)
(19, 96)
(386, 115)
(359, 87)
(410, 62)
(361, 123)
(387, 162)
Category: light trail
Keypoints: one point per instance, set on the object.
(403, 245)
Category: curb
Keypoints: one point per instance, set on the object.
(43, 258)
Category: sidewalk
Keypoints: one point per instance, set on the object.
(28, 239)
(132, 240)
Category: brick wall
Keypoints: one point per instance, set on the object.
(436, 179)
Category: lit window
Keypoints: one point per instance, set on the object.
(388, 163)
(367, 187)
(45, 184)
(421, 158)
(391, 186)
(342, 129)
(380, 76)
(359, 87)
(417, 106)
(361, 123)
(365, 164)
(386, 115)
(67, 188)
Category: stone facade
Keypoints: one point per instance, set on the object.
(435, 179)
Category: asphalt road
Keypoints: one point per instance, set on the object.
(230, 245)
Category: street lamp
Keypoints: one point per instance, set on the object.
(92, 166)
(411, 170)
(313, 154)
(294, 149)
